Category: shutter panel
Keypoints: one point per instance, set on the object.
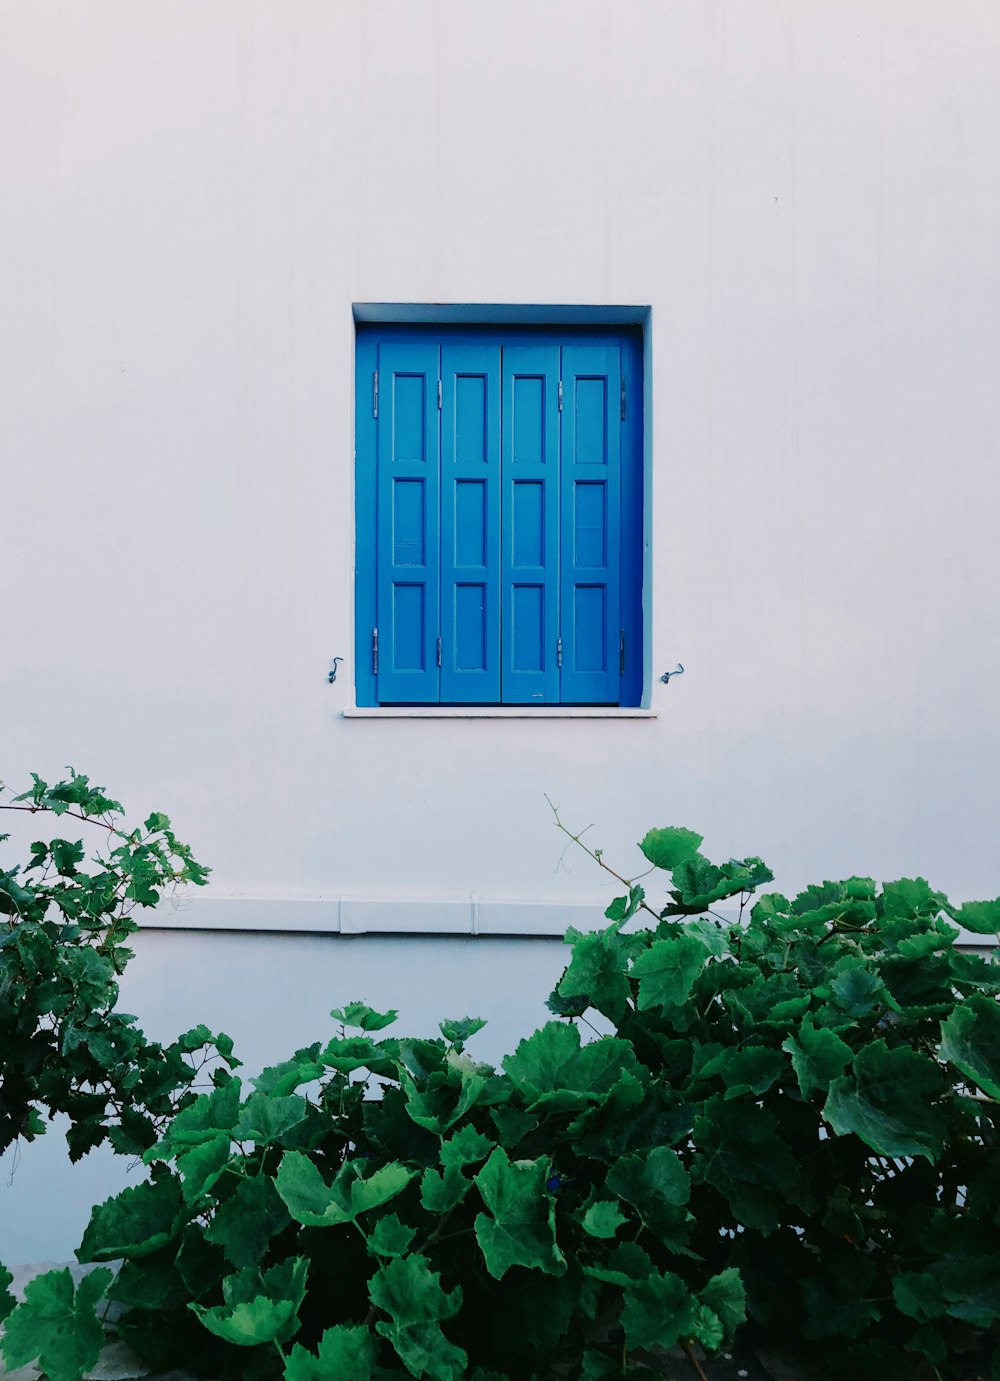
(590, 522)
(470, 522)
(529, 566)
(408, 546)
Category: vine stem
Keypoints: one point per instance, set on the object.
(595, 854)
(87, 819)
(686, 1345)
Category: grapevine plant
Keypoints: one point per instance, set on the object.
(64, 924)
(790, 1129)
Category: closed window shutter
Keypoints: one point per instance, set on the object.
(530, 559)
(470, 522)
(408, 541)
(590, 524)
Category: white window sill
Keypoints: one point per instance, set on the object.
(496, 712)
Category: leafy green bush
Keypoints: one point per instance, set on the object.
(802, 1108)
(64, 922)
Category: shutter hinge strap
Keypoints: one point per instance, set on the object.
(374, 651)
(559, 395)
(621, 652)
(439, 651)
(558, 652)
(623, 397)
(375, 394)
(439, 395)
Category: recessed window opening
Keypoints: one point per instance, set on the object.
(499, 515)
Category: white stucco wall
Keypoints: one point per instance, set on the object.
(806, 196)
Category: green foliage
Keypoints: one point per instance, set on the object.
(7, 1300)
(792, 1130)
(64, 924)
(57, 1324)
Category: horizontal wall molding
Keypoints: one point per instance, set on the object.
(375, 916)
(468, 916)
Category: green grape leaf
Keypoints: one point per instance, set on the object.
(908, 898)
(259, 1307)
(658, 1311)
(554, 1072)
(152, 1283)
(667, 847)
(519, 1228)
(465, 1147)
(698, 883)
(7, 1300)
(818, 1057)
(622, 909)
(265, 1118)
(919, 1295)
(970, 1039)
(194, 1039)
(725, 1296)
(740, 1154)
(603, 1219)
(346, 1352)
(210, 1114)
(200, 1264)
(667, 971)
(348, 1053)
(245, 1222)
(656, 1184)
(707, 1328)
(626, 1264)
(972, 1289)
(441, 1192)
(410, 1293)
(390, 1237)
(58, 1325)
(135, 1223)
(597, 972)
(750, 1070)
(857, 989)
(314, 1203)
(981, 917)
(459, 1031)
(201, 1166)
(445, 1099)
(284, 1078)
(713, 934)
(366, 1018)
(888, 1100)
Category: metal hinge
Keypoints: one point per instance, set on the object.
(375, 394)
(623, 397)
(560, 395)
(621, 653)
(439, 651)
(439, 395)
(558, 652)
(374, 651)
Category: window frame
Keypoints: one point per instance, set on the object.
(624, 328)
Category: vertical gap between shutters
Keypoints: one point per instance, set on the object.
(559, 534)
(440, 515)
(502, 481)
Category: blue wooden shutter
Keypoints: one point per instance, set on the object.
(470, 522)
(590, 524)
(408, 546)
(529, 567)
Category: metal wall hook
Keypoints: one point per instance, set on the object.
(678, 671)
(332, 676)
